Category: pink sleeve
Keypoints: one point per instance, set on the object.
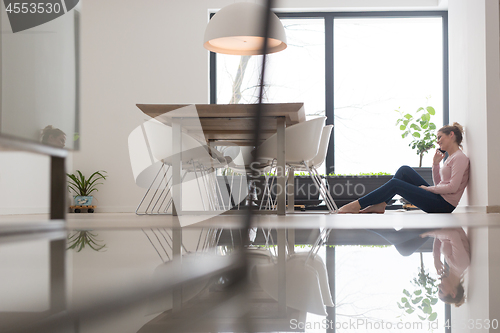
(455, 248)
(436, 177)
(436, 249)
(458, 168)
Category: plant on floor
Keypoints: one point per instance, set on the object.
(83, 187)
(420, 128)
(424, 296)
(82, 238)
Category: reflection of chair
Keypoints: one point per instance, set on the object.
(303, 291)
(307, 286)
(151, 157)
(319, 266)
(302, 144)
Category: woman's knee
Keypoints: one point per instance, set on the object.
(403, 170)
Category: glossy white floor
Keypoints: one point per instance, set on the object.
(398, 219)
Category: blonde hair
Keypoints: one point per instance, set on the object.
(49, 131)
(457, 129)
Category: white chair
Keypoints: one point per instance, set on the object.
(151, 158)
(240, 162)
(312, 168)
(302, 145)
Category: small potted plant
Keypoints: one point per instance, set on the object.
(419, 127)
(83, 187)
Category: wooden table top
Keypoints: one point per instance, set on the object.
(225, 122)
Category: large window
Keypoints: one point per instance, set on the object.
(382, 65)
(357, 69)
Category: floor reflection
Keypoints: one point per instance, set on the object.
(348, 280)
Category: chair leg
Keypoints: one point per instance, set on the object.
(328, 194)
(199, 187)
(162, 167)
(216, 180)
(332, 207)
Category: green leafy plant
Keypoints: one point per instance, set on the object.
(84, 186)
(420, 128)
(82, 238)
(361, 174)
(424, 296)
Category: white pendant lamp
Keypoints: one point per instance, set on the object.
(238, 29)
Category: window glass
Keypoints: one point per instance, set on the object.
(382, 65)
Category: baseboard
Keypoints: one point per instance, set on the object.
(493, 209)
(477, 209)
(470, 209)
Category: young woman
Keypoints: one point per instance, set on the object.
(450, 181)
(454, 245)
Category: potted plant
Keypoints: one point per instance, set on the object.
(419, 127)
(83, 187)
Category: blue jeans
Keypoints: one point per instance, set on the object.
(406, 183)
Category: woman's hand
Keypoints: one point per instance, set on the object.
(438, 157)
(424, 187)
(440, 269)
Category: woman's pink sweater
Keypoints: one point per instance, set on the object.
(452, 178)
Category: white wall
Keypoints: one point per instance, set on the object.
(474, 92)
(474, 102)
(38, 89)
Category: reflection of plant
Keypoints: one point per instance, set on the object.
(84, 186)
(81, 238)
(423, 297)
(420, 128)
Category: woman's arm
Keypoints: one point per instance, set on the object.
(438, 157)
(458, 168)
(436, 252)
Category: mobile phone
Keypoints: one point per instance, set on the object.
(443, 151)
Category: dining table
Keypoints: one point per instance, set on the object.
(219, 124)
(229, 123)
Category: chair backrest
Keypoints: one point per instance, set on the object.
(240, 156)
(302, 142)
(323, 147)
(150, 144)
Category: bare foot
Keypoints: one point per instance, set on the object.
(376, 209)
(350, 208)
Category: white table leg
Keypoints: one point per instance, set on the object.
(177, 258)
(281, 272)
(291, 191)
(177, 167)
(280, 169)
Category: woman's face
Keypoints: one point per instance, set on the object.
(445, 140)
